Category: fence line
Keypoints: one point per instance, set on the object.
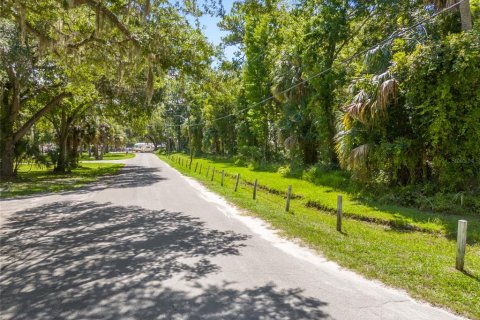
(246, 185)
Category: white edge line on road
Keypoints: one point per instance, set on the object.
(266, 232)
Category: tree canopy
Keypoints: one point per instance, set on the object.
(387, 90)
(82, 54)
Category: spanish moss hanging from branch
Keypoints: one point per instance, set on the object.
(149, 88)
(21, 20)
(148, 7)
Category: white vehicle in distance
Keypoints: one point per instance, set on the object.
(143, 147)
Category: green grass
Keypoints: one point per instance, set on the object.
(33, 179)
(324, 197)
(109, 156)
(419, 259)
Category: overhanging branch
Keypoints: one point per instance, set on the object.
(49, 106)
(111, 16)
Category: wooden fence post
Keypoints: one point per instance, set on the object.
(255, 190)
(289, 192)
(213, 173)
(223, 176)
(461, 244)
(190, 165)
(196, 166)
(236, 183)
(339, 213)
(208, 170)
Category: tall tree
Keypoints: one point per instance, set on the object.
(89, 41)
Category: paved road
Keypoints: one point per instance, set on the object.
(152, 244)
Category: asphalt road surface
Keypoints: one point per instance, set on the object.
(150, 243)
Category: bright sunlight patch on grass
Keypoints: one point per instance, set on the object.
(109, 156)
(402, 247)
(34, 179)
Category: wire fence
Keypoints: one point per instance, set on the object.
(274, 197)
(278, 198)
(281, 202)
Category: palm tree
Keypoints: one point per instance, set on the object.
(298, 126)
(361, 122)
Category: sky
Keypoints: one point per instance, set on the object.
(213, 33)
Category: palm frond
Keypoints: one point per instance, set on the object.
(291, 142)
(286, 74)
(357, 108)
(382, 77)
(342, 146)
(387, 93)
(378, 57)
(358, 155)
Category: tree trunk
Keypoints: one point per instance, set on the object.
(73, 154)
(169, 145)
(466, 15)
(179, 141)
(9, 111)
(8, 159)
(62, 144)
(327, 105)
(62, 155)
(9, 114)
(309, 150)
(95, 152)
(265, 136)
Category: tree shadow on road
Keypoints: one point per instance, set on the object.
(129, 177)
(90, 261)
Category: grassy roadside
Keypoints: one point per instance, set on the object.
(419, 260)
(33, 179)
(109, 156)
(324, 198)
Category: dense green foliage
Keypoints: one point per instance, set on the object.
(87, 65)
(388, 91)
(422, 123)
(337, 84)
(441, 85)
